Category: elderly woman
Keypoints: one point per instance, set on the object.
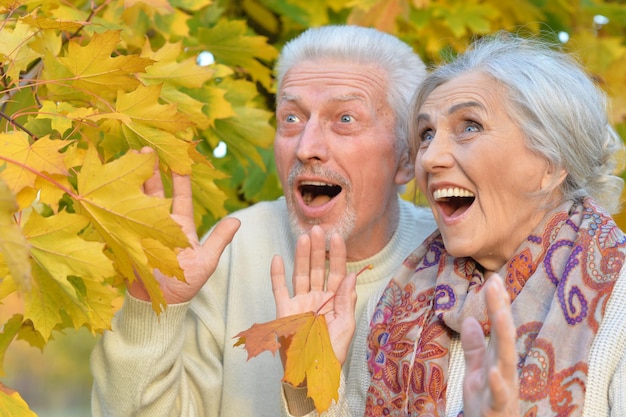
(514, 153)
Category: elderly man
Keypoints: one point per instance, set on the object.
(341, 153)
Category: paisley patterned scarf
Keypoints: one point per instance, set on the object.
(559, 280)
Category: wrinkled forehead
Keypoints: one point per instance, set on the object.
(365, 79)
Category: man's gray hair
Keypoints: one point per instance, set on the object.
(403, 68)
(555, 103)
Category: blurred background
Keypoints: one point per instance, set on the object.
(56, 382)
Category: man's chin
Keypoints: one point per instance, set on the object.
(343, 226)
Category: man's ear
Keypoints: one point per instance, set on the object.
(406, 169)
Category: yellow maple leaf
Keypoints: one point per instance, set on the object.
(13, 245)
(142, 106)
(168, 69)
(207, 196)
(188, 105)
(309, 354)
(12, 404)
(9, 330)
(25, 161)
(94, 70)
(146, 122)
(58, 114)
(43, 22)
(69, 276)
(110, 196)
(216, 104)
(14, 50)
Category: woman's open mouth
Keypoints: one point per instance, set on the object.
(453, 201)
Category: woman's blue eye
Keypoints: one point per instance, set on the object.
(346, 118)
(291, 118)
(427, 135)
(471, 128)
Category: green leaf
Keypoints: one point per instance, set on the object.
(232, 46)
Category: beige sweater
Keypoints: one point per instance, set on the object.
(183, 363)
(606, 385)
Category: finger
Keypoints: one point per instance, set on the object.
(182, 203)
(473, 342)
(345, 297)
(337, 262)
(318, 258)
(301, 268)
(499, 390)
(503, 330)
(344, 311)
(153, 186)
(279, 288)
(214, 245)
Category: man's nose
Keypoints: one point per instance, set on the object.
(312, 142)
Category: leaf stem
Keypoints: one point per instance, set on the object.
(365, 268)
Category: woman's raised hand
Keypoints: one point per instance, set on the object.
(491, 386)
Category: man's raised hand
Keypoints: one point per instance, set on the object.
(198, 261)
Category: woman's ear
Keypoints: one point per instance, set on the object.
(406, 169)
(554, 177)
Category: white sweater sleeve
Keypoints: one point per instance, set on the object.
(138, 365)
(165, 365)
(606, 379)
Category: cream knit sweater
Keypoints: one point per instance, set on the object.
(183, 362)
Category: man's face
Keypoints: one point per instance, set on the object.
(336, 153)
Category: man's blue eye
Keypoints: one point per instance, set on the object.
(346, 118)
(291, 119)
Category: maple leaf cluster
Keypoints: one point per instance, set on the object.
(83, 87)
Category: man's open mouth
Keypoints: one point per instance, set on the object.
(316, 193)
(453, 200)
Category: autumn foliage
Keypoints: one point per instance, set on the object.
(85, 84)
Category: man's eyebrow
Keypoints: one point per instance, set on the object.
(341, 98)
(289, 97)
(347, 97)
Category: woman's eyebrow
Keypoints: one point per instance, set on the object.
(460, 106)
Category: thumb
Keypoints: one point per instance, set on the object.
(221, 235)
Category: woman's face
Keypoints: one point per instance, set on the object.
(477, 172)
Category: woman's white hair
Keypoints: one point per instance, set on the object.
(561, 111)
(403, 68)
